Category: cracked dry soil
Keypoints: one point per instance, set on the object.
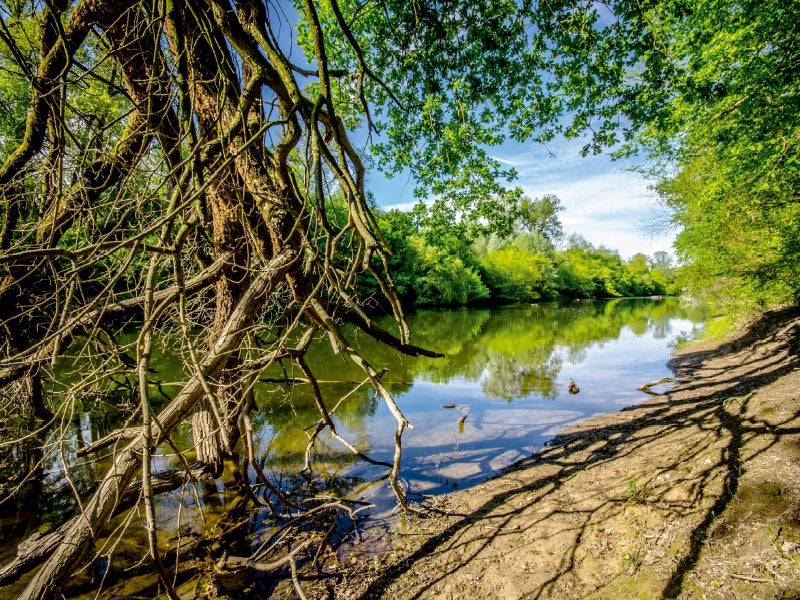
(692, 494)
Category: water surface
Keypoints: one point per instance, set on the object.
(505, 369)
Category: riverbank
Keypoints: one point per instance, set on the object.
(692, 494)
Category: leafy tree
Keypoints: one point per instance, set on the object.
(444, 278)
(588, 272)
(662, 271)
(533, 243)
(513, 274)
(736, 113)
(540, 216)
(708, 90)
(638, 278)
(397, 228)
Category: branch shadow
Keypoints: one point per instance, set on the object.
(712, 402)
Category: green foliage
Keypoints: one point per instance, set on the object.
(444, 279)
(533, 243)
(588, 272)
(540, 216)
(397, 228)
(709, 90)
(523, 267)
(512, 274)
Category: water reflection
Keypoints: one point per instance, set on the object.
(504, 369)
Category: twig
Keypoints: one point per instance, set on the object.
(295, 580)
(261, 567)
(646, 387)
(750, 579)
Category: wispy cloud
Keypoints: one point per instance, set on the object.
(511, 163)
(604, 202)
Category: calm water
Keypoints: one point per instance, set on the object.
(505, 369)
(507, 372)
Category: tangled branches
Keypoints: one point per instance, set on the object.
(175, 174)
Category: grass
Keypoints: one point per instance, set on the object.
(636, 493)
(631, 562)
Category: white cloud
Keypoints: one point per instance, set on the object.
(604, 202)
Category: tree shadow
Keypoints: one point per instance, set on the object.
(712, 402)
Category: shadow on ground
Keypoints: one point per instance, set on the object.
(625, 503)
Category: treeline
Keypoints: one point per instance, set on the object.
(530, 261)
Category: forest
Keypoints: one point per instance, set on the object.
(192, 173)
(529, 261)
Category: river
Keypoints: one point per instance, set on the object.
(499, 394)
(507, 372)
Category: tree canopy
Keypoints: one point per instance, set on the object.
(176, 167)
(712, 98)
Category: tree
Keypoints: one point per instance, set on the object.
(708, 90)
(513, 274)
(443, 278)
(175, 170)
(195, 192)
(541, 216)
(735, 191)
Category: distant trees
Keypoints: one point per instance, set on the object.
(540, 216)
(523, 266)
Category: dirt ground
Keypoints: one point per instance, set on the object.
(693, 494)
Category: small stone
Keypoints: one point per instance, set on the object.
(788, 547)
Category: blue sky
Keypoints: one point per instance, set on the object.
(604, 202)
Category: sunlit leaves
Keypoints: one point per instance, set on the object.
(733, 135)
(444, 278)
(515, 275)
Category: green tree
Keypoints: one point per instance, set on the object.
(585, 271)
(397, 228)
(708, 90)
(443, 278)
(736, 112)
(512, 274)
(540, 216)
(662, 270)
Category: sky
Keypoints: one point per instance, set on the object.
(604, 201)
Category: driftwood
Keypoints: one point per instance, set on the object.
(646, 387)
(31, 552)
(228, 562)
(236, 566)
(38, 547)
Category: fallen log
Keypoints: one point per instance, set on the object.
(39, 547)
(646, 387)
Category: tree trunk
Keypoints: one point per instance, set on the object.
(84, 528)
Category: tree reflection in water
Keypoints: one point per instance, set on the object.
(505, 370)
(516, 354)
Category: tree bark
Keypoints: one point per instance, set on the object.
(84, 528)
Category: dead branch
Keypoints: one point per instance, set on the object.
(646, 387)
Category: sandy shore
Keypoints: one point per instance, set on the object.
(693, 494)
